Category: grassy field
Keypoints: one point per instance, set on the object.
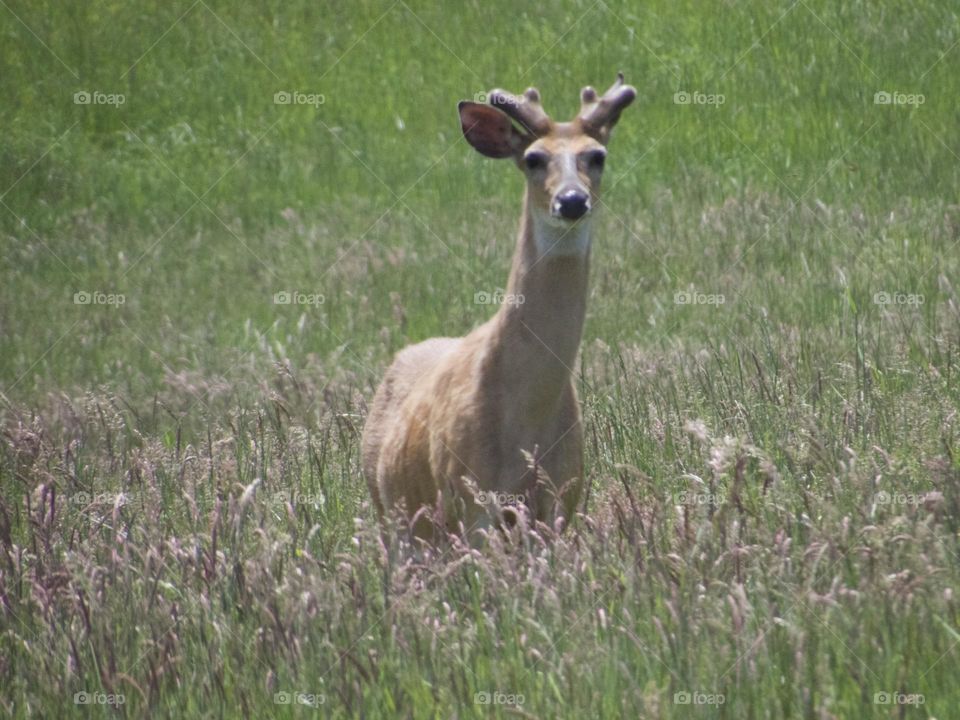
(768, 373)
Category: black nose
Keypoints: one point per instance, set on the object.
(572, 204)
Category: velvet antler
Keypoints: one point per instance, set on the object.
(598, 115)
(525, 109)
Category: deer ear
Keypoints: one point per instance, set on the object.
(490, 130)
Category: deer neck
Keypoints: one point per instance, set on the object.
(539, 326)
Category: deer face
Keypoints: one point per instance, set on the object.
(563, 173)
(563, 162)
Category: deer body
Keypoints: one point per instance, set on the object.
(455, 415)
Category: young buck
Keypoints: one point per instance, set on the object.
(494, 414)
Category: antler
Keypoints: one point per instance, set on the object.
(525, 109)
(598, 115)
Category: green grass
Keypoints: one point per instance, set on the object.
(774, 496)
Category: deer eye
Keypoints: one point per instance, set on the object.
(535, 160)
(596, 159)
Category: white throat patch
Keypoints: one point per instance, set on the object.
(561, 238)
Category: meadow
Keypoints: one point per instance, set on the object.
(218, 221)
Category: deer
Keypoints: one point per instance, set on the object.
(461, 430)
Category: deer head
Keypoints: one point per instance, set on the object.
(563, 161)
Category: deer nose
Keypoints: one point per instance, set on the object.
(571, 204)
